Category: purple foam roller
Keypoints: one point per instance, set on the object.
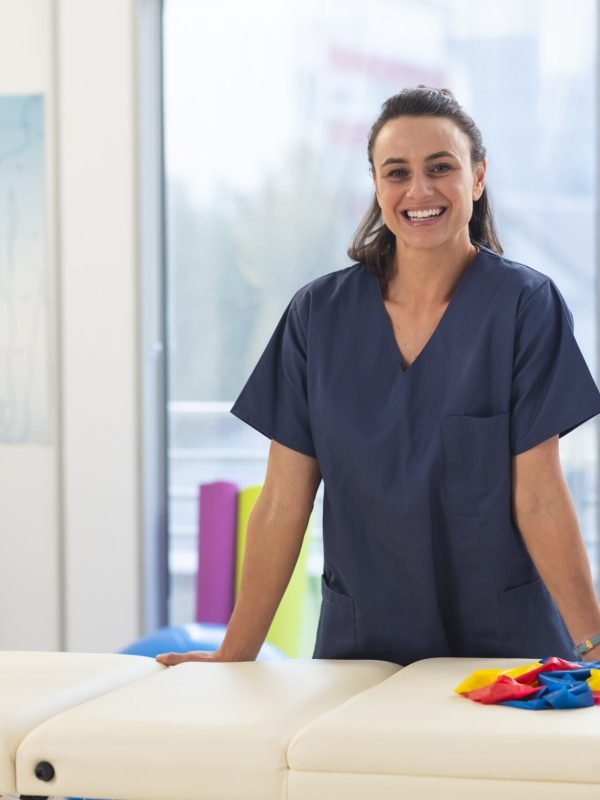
(217, 527)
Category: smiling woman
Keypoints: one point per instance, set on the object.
(428, 166)
(412, 383)
(427, 204)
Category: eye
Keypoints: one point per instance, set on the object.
(397, 173)
(440, 168)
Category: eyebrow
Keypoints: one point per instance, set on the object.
(440, 154)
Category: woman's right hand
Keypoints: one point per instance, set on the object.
(172, 659)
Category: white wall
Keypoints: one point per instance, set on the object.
(30, 531)
(71, 512)
(96, 56)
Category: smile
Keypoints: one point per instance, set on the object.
(427, 216)
(426, 212)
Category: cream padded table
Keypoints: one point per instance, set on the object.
(189, 732)
(411, 736)
(36, 686)
(285, 730)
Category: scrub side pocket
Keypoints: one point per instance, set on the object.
(336, 637)
(477, 465)
(531, 626)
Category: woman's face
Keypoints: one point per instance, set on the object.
(424, 164)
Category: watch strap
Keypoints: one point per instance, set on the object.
(586, 646)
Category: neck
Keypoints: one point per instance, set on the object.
(424, 280)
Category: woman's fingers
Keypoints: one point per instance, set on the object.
(172, 659)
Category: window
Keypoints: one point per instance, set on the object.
(267, 110)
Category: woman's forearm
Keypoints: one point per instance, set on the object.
(273, 543)
(553, 539)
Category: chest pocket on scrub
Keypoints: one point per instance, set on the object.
(477, 465)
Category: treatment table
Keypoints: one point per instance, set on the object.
(124, 727)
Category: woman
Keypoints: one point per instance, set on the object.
(427, 385)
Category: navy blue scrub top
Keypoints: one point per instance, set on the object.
(422, 557)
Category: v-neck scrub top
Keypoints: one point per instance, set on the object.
(422, 557)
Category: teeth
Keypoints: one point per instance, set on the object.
(431, 212)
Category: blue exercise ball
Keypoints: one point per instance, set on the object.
(192, 636)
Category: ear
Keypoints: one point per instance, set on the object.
(479, 179)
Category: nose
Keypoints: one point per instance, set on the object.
(419, 186)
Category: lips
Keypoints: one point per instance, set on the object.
(420, 221)
(425, 208)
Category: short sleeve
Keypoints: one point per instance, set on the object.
(552, 389)
(274, 399)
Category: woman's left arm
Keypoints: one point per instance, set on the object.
(545, 515)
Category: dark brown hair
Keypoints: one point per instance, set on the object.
(374, 244)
